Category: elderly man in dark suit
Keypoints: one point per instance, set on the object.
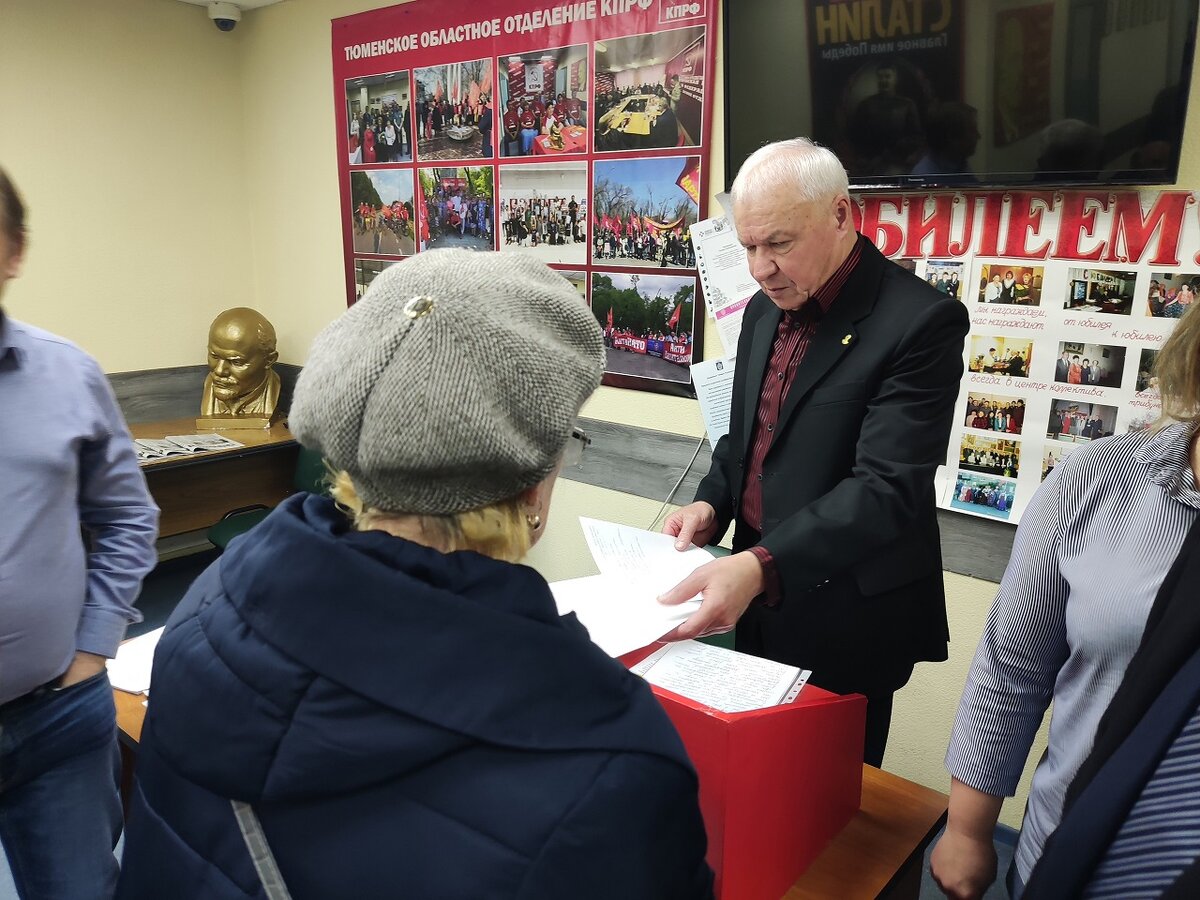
(1062, 366)
(848, 370)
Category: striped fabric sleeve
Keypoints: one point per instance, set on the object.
(772, 587)
(1023, 646)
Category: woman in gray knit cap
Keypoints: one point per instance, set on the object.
(368, 691)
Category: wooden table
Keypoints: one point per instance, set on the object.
(196, 490)
(879, 854)
(130, 714)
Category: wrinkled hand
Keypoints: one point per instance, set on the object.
(82, 667)
(695, 523)
(726, 586)
(963, 866)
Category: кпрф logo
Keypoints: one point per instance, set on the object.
(677, 10)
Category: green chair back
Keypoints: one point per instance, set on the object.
(310, 475)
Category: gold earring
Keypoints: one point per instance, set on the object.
(534, 522)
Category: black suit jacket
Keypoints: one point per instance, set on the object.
(848, 504)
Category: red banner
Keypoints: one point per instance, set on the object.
(678, 353)
(668, 350)
(532, 126)
(629, 342)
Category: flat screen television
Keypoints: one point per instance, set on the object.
(917, 94)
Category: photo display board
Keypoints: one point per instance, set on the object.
(1071, 295)
(578, 133)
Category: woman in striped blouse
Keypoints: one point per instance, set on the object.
(1090, 555)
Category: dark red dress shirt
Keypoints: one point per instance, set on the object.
(792, 337)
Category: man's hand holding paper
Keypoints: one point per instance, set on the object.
(725, 586)
(695, 523)
(618, 607)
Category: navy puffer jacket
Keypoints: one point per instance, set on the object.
(406, 724)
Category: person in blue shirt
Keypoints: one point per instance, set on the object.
(66, 463)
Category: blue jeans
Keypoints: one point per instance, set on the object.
(60, 812)
(527, 138)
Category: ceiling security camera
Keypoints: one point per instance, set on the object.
(224, 15)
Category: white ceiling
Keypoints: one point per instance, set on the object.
(243, 5)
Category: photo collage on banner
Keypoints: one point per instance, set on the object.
(1061, 349)
(577, 134)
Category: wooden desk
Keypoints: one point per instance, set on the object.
(879, 854)
(196, 490)
(130, 716)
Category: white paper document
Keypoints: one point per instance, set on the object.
(714, 392)
(203, 442)
(648, 560)
(130, 670)
(724, 275)
(720, 678)
(151, 448)
(618, 619)
(619, 607)
(182, 445)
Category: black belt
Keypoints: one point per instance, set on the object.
(37, 693)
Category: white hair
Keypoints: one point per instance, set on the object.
(796, 167)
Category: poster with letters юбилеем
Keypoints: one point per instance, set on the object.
(1071, 295)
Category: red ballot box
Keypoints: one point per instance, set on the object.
(776, 784)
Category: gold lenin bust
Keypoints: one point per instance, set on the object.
(241, 381)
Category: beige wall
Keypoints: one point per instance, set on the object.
(172, 171)
(123, 130)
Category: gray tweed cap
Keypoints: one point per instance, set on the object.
(453, 383)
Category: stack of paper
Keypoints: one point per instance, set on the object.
(130, 671)
(149, 448)
(720, 678)
(619, 607)
(200, 443)
(182, 445)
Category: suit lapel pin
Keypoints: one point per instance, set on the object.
(847, 339)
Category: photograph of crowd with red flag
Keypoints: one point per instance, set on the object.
(643, 211)
(648, 323)
(452, 101)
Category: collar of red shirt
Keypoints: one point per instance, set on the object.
(820, 302)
